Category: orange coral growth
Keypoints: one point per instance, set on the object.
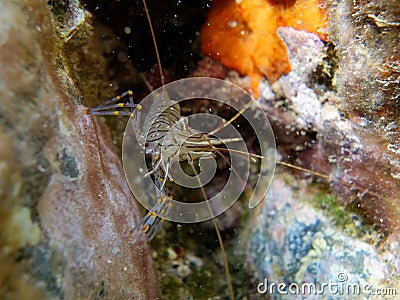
(242, 34)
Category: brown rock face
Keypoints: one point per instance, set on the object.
(87, 210)
(63, 190)
(342, 119)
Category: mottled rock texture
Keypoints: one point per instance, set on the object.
(296, 240)
(66, 209)
(366, 35)
(339, 115)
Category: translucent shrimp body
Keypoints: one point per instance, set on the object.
(189, 140)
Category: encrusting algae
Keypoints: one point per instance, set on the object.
(243, 34)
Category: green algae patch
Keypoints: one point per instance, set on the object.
(348, 217)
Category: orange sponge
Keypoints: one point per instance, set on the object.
(242, 34)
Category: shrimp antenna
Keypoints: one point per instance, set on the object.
(227, 273)
(220, 241)
(160, 69)
(154, 42)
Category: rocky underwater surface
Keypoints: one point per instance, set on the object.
(64, 215)
(333, 103)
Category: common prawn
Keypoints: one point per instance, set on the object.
(167, 138)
